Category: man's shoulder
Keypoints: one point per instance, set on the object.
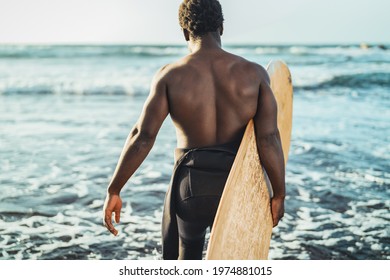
(250, 67)
(260, 71)
(173, 68)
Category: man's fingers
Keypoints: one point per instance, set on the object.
(108, 224)
(117, 216)
(277, 210)
(275, 221)
(113, 204)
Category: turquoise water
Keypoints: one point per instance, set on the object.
(65, 112)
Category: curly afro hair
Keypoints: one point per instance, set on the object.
(199, 17)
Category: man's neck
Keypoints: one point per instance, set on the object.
(207, 42)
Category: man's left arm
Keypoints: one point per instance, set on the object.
(138, 145)
(270, 146)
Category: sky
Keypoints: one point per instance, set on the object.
(156, 21)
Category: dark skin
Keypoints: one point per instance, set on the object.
(210, 95)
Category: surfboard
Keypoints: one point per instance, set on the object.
(242, 226)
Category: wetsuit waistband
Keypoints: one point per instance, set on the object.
(230, 147)
(213, 155)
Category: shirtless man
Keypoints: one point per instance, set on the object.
(210, 95)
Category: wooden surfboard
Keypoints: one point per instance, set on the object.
(243, 224)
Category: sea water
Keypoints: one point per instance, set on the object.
(65, 112)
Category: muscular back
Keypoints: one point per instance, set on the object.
(211, 97)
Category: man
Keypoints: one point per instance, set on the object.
(210, 95)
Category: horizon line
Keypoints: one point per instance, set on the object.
(184, 44)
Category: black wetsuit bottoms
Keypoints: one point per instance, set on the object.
(196, 188)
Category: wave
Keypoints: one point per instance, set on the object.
(77, 90)
(77, 51)
(360, 80)
(353, 81)
(20, 52)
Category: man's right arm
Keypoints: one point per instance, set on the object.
(137, 146)
(269, 145)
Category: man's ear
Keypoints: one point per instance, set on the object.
(221, 30)
(186, 34)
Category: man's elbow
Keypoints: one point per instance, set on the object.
(269, 138)
(145, 137)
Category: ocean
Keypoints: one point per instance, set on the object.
(65, 112)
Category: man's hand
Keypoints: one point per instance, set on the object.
(277, 210)
(112, 204)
